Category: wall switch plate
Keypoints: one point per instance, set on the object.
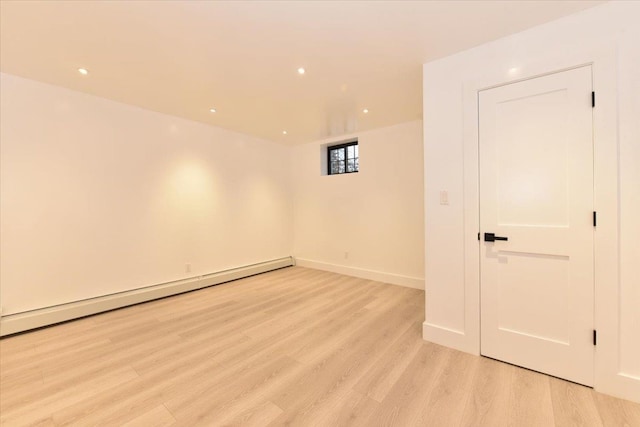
(444, 197)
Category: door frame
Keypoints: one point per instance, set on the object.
(603, 61)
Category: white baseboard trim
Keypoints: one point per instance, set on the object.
(619, 385)
(379, 276)
(449, 338)
(14, 323)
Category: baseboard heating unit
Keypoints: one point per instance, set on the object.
(19, 322)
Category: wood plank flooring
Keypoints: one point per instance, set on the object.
(296, 347)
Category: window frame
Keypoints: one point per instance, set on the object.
(344, 147)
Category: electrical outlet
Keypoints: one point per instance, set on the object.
(346, 255)
(187, 267)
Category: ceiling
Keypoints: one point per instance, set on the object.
(241, 57)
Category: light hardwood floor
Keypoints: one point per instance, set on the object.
(295, 347)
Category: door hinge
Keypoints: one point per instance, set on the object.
(595, 219)
(593, 99)
(595, 337)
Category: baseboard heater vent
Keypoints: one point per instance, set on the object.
(20, 322)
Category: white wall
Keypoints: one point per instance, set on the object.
(376, 215)
(608, 36)
(629, 201)
(99, 197)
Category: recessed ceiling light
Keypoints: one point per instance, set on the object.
(83, 71)
(301, 70)
(365, 111)
(213, 110)
(284, 132)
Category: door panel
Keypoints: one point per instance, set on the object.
(526, 174)
(536, 189)
(538, 278)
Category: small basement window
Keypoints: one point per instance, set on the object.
(343, 158)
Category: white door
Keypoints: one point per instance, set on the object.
(536, 190)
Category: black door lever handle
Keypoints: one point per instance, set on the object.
(491, 237)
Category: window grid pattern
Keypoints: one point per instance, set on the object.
(343, 158)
